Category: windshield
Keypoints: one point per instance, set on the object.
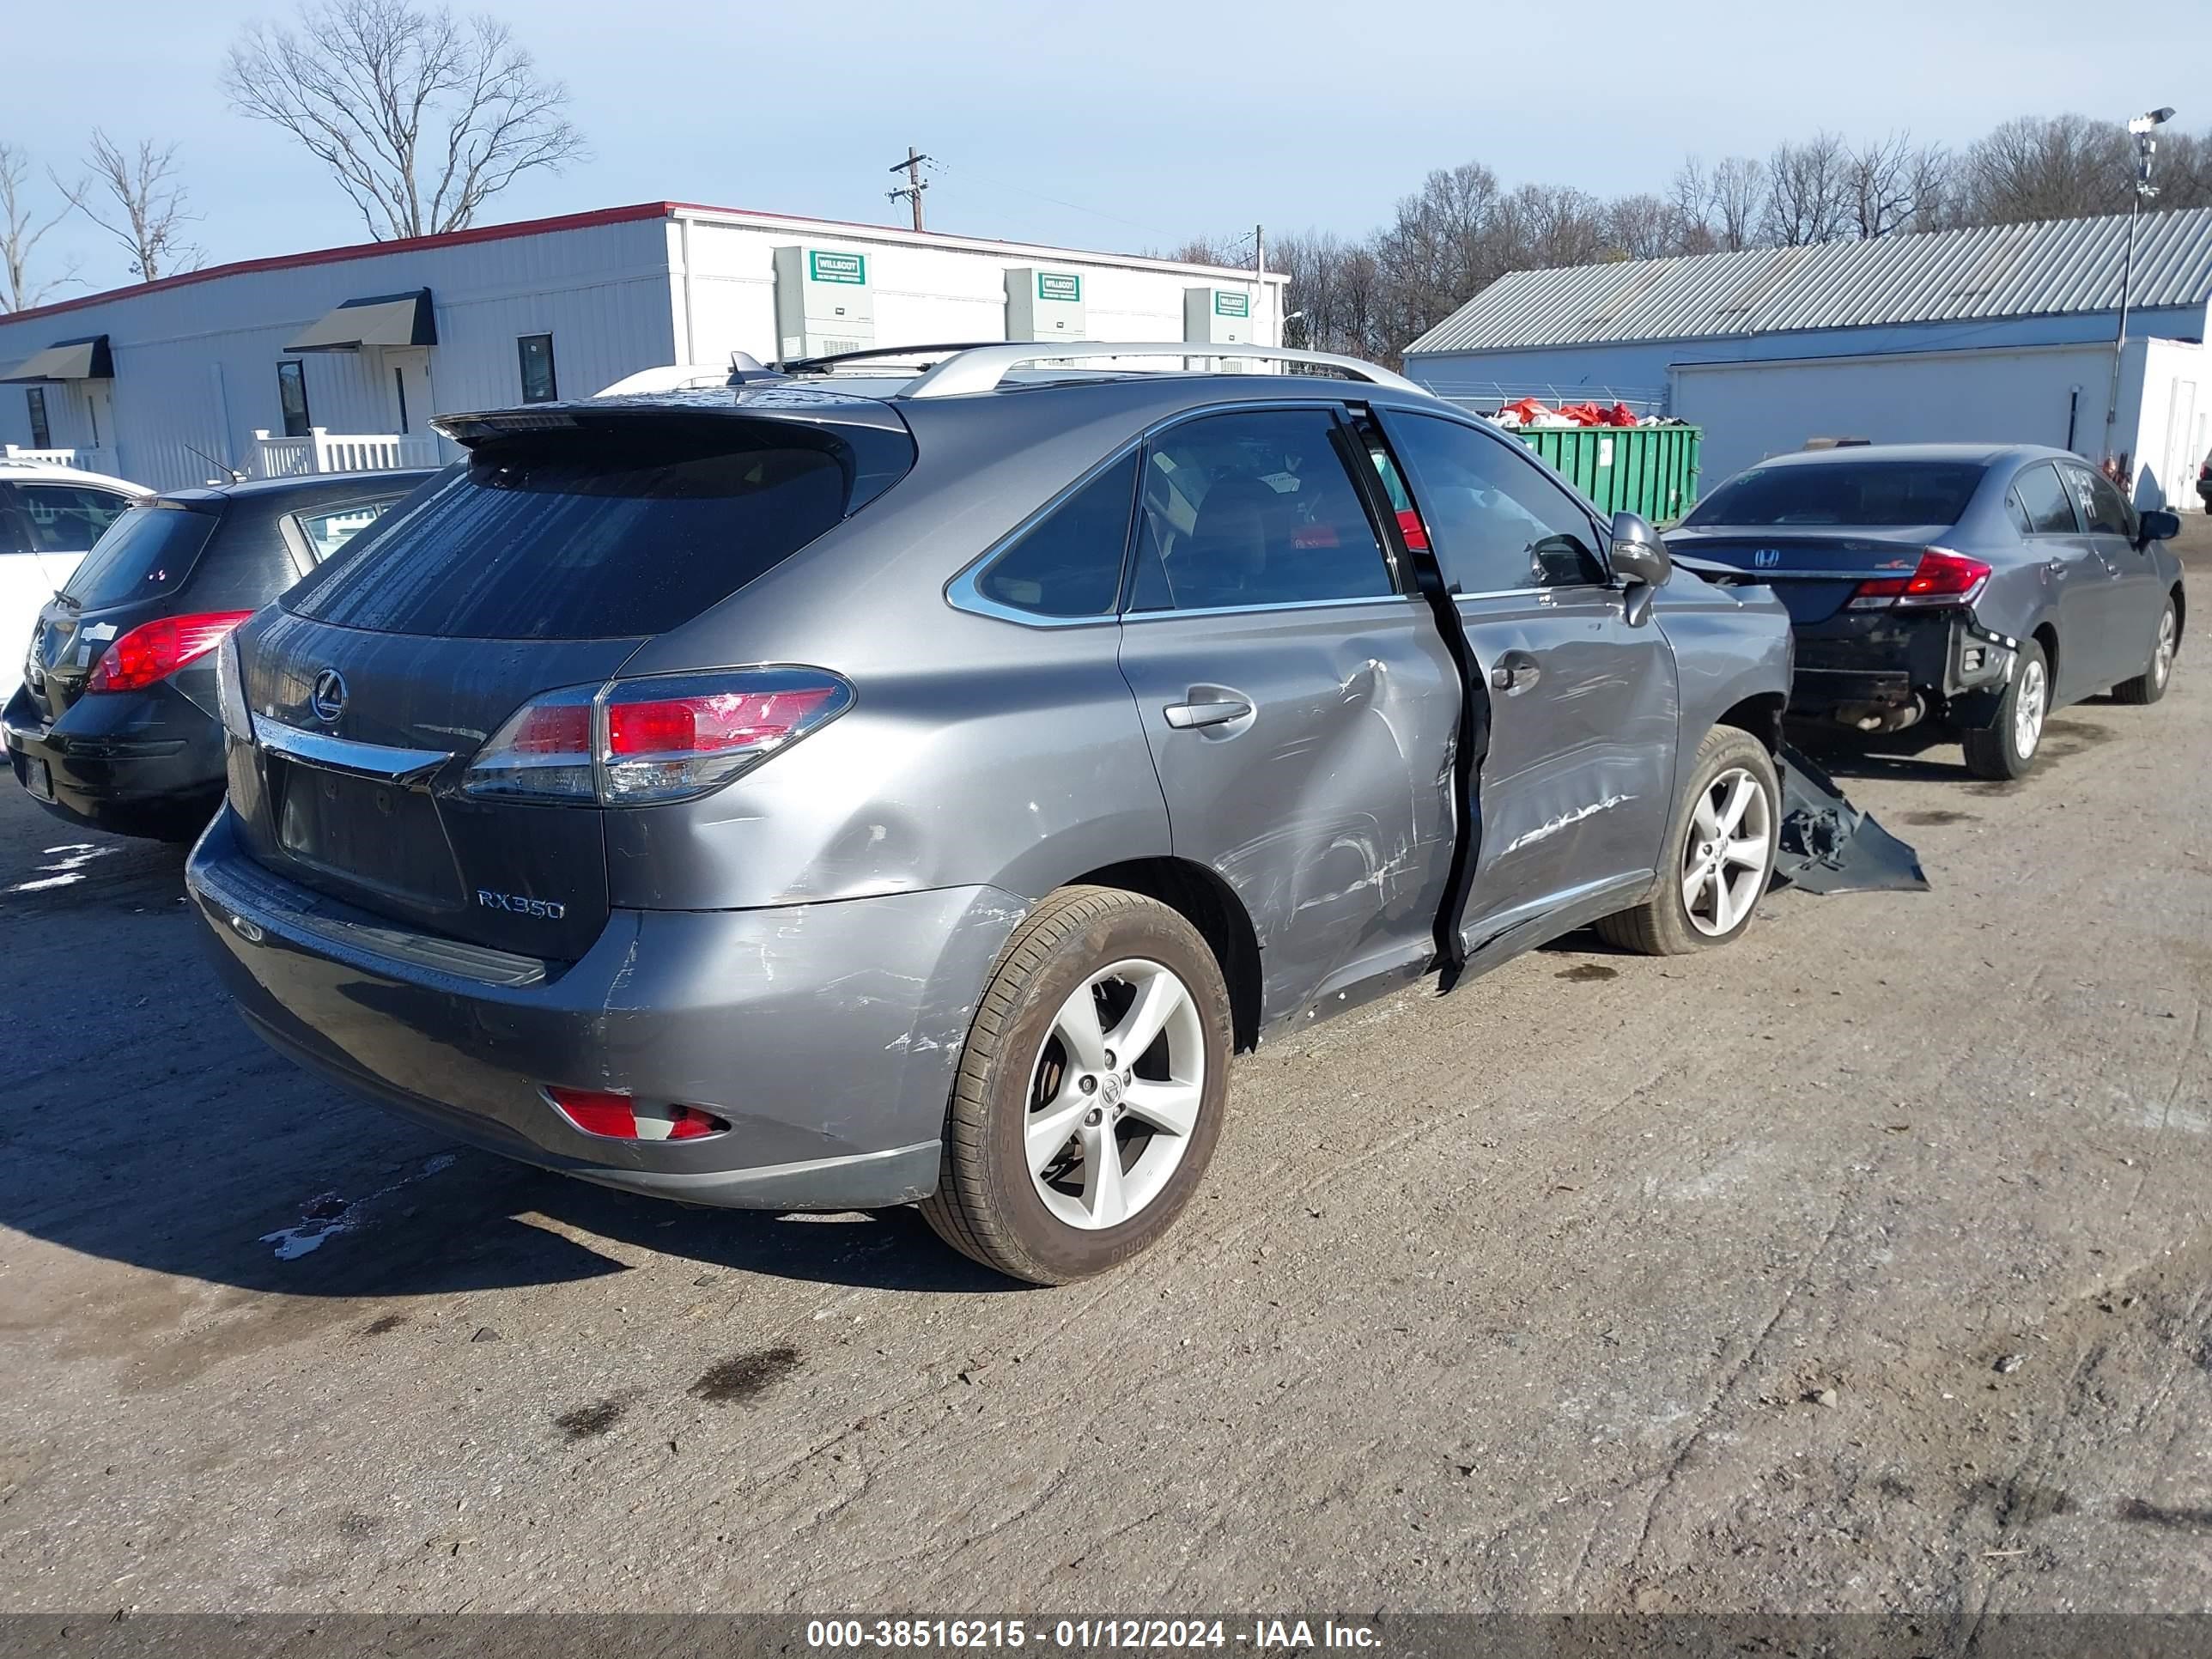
(623, 530)
(148, 550)
(1871, 493)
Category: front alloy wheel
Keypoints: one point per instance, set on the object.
(1728, 852)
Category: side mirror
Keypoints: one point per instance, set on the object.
(2158, 524)
(1640, 557)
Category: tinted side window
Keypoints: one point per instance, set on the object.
(68, 518)
(328, 528)
(1496, 521)
(2111, 515)
(1069, 563)
(1254, 507)
(2044, 498)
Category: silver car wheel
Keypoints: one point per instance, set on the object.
(1729, 852)
(2161, 655)
(2030, 705)
(1114, 1094)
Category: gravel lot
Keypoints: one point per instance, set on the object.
(1862, 1265)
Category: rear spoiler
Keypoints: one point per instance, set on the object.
(775, 401)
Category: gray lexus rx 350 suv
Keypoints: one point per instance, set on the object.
(820, 793)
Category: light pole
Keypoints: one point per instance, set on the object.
(2144, 131)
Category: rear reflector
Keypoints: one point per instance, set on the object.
(1943, 578)
(153, 651)
(637, 743)
(1411, 527)
(620, 1118)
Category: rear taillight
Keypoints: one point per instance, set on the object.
(153, 651)
(1943, 578)
(638, 743)
(1411, 527)
(618, 1117)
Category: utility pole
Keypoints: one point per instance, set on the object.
(1260, 280)
(911, 193)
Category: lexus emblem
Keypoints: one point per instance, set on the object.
(1767, 558)
(328, 700)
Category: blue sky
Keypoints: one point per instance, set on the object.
(1126, 125)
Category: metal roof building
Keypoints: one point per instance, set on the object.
(1708, 336)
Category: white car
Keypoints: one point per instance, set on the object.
(50, 517)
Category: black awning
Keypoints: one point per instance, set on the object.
(88, 359)
(382, 319)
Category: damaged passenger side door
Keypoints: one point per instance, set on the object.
(1575, 788)
(1297, 694)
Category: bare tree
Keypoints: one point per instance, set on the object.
(136, 198)
(1721, 209)
(22, 230)
(1878, 182)
(1641, 227)
(1808, 192)
(2062, 167)
(420, 117)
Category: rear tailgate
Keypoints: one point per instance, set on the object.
(541, 568)
(1812, 574)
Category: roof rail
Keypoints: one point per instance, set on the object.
(808, 365)
(982, 369)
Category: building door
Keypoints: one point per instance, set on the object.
(100, 408)
(407, 369)
(2177, 478)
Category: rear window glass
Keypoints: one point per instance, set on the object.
(1843, 492)
(148, 550)
(601, 532)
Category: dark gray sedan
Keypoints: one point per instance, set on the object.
(1979, 586)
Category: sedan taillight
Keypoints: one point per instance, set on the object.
(640, 742)
(153, 651)
(1943, 578)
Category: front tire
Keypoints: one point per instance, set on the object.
(2006, 749)
(1090, 1095)
(2150, 685)
(1720, 856)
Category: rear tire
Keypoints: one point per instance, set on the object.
(1042, 1099)
(2157, 673)
(2007, 748)
(1719, 857)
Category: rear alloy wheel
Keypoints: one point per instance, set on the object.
(1090, 1095)
(2150, 685)
(2006, 748)
(1722, 853)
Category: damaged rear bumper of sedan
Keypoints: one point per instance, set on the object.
(1883, 671)
(1830, 845)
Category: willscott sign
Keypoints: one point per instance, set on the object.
(1057, 285)
(1227, 302)
(837, 267)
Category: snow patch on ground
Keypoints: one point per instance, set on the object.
(326, 1215)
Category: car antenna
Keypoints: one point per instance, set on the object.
(223, 467)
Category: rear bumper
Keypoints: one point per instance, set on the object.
(1883, 669)
(133, 764)
(827, 1035)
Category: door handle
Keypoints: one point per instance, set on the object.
(1516, 671)
(1187, 716)
(2056, 567)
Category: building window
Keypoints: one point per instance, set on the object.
(535, 351)
(42, 436)
(292, 395)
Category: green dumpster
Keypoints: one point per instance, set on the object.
(1651, 470)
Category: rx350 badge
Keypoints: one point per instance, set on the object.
(517, 904)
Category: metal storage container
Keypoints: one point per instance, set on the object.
(1651, 470)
